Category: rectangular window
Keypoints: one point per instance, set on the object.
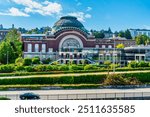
(36, 47)
(29, 47)
(110, 46)
(103, 46)
(43, 47)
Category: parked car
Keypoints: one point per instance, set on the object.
(29, 96)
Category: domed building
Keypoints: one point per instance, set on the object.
(68, 41)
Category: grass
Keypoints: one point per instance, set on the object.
(24, 73)
(4, 98)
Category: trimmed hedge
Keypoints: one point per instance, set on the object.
(143, 77)
(86, 79)
(7, 68)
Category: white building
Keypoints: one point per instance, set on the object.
(136, 32)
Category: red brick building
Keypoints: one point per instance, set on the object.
(68, 40)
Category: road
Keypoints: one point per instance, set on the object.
(73, 74)
(81, 94)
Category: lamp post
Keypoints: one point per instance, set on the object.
(114, 56)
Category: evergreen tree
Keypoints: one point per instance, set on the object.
(128, 34)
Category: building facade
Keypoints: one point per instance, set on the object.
(70, 41)
(136, 32)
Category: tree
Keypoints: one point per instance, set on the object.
(127, 34)
(116, 34)
(11, 47)
(19, 61)
(98, 34)
(121, 34)
(120, 46)
(142, 39)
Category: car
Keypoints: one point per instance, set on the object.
(29, 96)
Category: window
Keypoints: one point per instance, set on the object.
(97, 46)
(43, 47)
(110, 46)
(50, 49)
(29, 47)
(103, 46)
(36, 47)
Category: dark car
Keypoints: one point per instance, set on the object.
(29, 96)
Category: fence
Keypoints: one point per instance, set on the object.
(89, 96)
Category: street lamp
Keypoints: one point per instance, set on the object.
(114, 56)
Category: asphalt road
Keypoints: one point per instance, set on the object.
(81, 94)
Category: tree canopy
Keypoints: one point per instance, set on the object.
(10, 47)
(142, 39)
(126, 34)
(120, 46)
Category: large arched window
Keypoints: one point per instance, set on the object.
(71, 43)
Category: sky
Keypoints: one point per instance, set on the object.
(94, 14)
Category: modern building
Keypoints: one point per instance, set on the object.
(136, 32)
(70, 41)
(137, 53)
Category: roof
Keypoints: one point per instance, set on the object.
(68, 22)
(147, 47)
(33, 35)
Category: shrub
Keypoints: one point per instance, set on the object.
(27, 62)
(19, 61)
(134, 81)
(143, 64)
(55, 67)
(7, 68)
(46, 61)
(133, 64)
(29, 68)
(63, 68)
(40, 68)
(89, 67)
(76, 67)
(49, 68)
(115, 79)
(19, 68)
(36, 60)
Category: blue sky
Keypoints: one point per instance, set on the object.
(94, 14)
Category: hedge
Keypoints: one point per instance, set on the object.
(86, 79)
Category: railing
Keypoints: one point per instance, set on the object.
(90, 96)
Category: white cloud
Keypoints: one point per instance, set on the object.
(89, 9)
(43, 8)
(80, 15)
(14, 12)
(28, 3)
(88, 16)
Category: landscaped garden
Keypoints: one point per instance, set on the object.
(42, 75)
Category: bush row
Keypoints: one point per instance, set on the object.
(51, 69)
(45, 68)
(86, 79)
